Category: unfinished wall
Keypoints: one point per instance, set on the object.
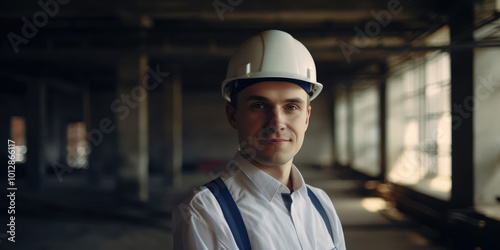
(486, 126)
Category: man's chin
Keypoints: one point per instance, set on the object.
(273, 160)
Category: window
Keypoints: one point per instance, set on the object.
(18, 135)
(419, 120)
(77, 148)
(341, 126)
(366, 147)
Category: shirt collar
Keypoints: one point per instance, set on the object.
(265, 183)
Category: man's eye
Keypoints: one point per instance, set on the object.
(258, 106)
(291, 107)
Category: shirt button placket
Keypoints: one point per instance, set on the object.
(297, 223)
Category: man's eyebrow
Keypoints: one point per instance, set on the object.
(261, 98)
(296, 100)
(256, 98)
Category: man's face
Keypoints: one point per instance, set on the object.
(271, 119)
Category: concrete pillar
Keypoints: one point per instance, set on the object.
(350, 122)
(173, 132)
(94, 169)
(462, 93)
(56, 134)
(382, 89)
(131, 108)
(331, 103)
(36, 124)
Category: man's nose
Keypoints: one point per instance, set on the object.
(277, 120)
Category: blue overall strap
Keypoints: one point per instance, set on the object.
(231, 212)
(321, 210)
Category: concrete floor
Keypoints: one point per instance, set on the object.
(67, 216)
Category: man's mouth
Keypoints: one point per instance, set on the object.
(274, 141)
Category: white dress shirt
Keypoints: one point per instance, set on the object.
(274, 217)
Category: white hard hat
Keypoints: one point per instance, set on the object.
(272, 55)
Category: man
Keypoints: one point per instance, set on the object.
(262, 201)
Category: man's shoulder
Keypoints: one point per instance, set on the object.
(201, 197)
(321, 194)
(315, 190)
(197, 197)
(200, 203)
(195, 205)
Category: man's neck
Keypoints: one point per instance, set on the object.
(281, 173)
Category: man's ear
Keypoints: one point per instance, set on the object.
(230, 113)
(308, 115)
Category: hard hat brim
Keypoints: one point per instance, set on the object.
(312, 88)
